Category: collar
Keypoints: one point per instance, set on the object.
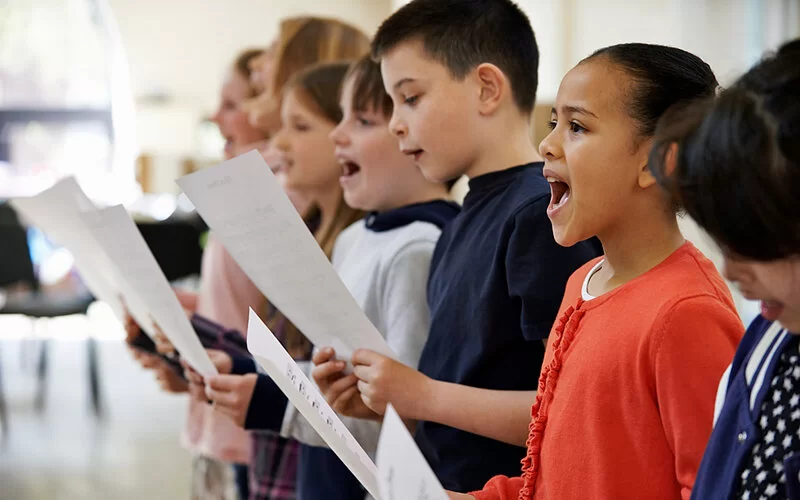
(437, 212)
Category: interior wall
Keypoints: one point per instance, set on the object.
(178, 52)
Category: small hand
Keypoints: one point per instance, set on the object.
(169, 380)
(221, 360)
(382, 380)
(197, 386)
(231, 394)
(132, 329)
(163, 345)
(340, 390)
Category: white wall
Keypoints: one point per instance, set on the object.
(730, 35)
(182, 49)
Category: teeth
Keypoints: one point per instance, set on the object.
(552, 179)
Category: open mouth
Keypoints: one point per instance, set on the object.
(559, 193)
(349, 169)
(771, 310)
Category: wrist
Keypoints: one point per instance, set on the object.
(426, 404)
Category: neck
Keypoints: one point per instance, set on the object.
(636, 247)
(510, 146)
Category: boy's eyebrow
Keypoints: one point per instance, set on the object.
(573, 110)
(401, 82)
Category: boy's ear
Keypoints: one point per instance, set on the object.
(493, 87)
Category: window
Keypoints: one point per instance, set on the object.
(65, 101)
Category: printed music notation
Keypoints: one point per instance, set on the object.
(252, 217)
(290, 378)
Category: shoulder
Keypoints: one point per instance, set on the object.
(351, 232)
(415, 239)
(346, 239)
(702, 323)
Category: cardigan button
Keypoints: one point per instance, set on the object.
(742, 437)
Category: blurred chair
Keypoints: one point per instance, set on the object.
(23, 295)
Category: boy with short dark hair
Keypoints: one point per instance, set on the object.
(462, 75)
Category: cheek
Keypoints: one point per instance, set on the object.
(240, 125)
(781, 279)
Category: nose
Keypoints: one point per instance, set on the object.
(550, 147)
(217, 116)
(280, 141)
(397, 126)
(338, 136)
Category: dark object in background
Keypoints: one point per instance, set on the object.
(175, 243)
(26, 297)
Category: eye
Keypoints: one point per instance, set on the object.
(576, 128)
(301, 127)
(552, 124)
(364, 122)
(411, 100)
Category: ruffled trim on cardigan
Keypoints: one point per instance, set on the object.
(565, 332)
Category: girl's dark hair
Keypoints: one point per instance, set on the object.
(734, 163)
(662, 77)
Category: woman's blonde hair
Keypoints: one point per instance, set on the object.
(302, 42)
(318, 88)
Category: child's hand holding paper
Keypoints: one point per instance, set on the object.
(382, 380)
(340, 389)
(231, 394)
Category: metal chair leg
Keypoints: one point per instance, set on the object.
(94, 377)
(3, 407)
(41, 376)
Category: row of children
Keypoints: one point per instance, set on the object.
(511, 330)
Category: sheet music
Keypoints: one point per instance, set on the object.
(56, 212)
(253, 218)
(403, 473)
(272, 357)
(124, 244)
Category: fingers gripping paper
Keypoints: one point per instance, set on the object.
(250, 214)
(403, 473)
(273, 358)
(126, 247)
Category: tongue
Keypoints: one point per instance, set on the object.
(771, 310)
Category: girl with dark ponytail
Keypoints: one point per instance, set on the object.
(625, 400)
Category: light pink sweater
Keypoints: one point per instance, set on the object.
(225, 295)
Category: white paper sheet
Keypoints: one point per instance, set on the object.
(272, 357)
(403, 473)
(124, 244)
(56, 211)
(252, 217)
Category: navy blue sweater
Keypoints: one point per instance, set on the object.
(497, 280)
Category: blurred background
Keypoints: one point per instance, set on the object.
(119, 94)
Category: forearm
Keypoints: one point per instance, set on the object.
(500, 415)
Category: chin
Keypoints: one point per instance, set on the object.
(565, 237)
(352, 200)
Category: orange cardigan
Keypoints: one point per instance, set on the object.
(626, 396)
